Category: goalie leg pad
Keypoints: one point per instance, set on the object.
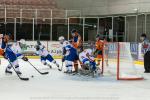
(86, 61)
(93, 65)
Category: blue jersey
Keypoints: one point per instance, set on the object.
(71, 53)
(3, 44)
(42, 52)
(75, 39)
(65, 44)
(11, 53)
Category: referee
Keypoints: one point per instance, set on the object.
(146, 51)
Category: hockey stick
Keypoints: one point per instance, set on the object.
(61, 67)
(42, 73)
(21, 78)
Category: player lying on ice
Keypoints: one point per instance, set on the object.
(45, 55)
(12, 53)
(88, 63)
(70, 55)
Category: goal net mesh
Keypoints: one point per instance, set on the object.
(118, 61)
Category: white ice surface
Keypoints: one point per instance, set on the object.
(59, 86)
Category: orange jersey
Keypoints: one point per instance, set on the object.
(1, 52)
(75, 45)
(99, 45)
(77, 41)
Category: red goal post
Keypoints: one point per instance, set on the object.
(118, 61)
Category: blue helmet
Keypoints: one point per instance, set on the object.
(73, 31)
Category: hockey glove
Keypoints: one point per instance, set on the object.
(25, 58)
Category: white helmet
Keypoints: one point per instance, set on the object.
(1, 35)
(61, 38)
(22, 41)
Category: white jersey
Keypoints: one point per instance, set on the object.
(16, 48)
(42, 52)
(83, 54)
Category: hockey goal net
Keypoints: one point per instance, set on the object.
(118, 61)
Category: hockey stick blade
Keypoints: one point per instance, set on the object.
(42, 73)
(21, 78)
(60, 69)
(24, 79)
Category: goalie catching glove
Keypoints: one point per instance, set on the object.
(25, 58)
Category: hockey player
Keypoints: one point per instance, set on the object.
(69, 54)
(64, 43)
(87, 60)
(12, 55)
(99, 48)
(45, 55)
(71, 58)
(77, 40)
(77, 43)
(146, 52)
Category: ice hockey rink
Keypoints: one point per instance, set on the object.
(59, 86)
(117, 32)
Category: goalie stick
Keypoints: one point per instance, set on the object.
(42, 73)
